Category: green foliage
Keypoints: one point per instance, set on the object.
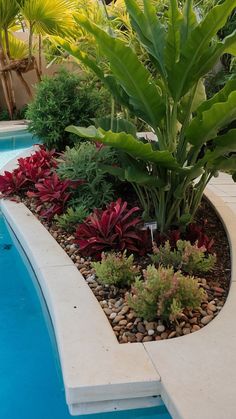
(61, 100)
(164, 294)
(18, 114)
(116, 269)
(82, 162)
(186, 257)
(169, 174)
(69, 220)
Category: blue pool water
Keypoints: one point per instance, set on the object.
(13, 143)
(31, 385)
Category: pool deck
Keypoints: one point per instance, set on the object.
(194, 374)
(6, 126)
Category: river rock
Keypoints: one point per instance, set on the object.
(206, 319)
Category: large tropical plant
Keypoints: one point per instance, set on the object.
(193, 141)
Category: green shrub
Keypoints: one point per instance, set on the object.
(71, 218)
(61, 100)
(116, 269)
(164, 294)
(82, 162)
(187, 257)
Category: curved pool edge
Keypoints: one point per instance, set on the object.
(96, 369)
(194, 383)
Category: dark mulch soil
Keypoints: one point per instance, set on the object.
(126, 325)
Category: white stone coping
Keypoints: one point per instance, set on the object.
(198, 371)
(95, 367)
(8, 126)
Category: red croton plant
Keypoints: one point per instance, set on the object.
(115, 228)
(35, 177)
(30, 170)
(52, 195)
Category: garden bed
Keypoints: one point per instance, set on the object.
(127, 326)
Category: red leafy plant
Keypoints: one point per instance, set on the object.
(52, 195)
(30, 170)
(194, 233)
(37, 166)
(12, 183)
(115, 228)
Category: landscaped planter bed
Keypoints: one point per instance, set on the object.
(113, 300)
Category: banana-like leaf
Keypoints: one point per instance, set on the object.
(198, 99)
(220, 96)
(172, 50)
(189, 21)
(231, 49)
(133, 174)
(118, 93)
(114, 171)
(182, 75)
(210, 57)
(205, 126)
(128, 144)
(225, 143)
(224, 163)
(150, 31)
(131, 74)
(118, 125)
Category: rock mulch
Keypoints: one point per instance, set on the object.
(130, 328)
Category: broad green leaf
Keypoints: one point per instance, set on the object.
(212, 116)
(76, 52)
(172, 50)
(210, 58)
(231, 49)
(225, 143)
(198, 99)
(198, 45)
(114, 171)
(118, 93)
(189, 21)
(133, 174)
(129, 144)
(220, 96)
(225, 163)
(90, 132)
(149, 30)
(118, 125)
(130, 73)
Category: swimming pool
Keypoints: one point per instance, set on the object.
(12, 143)
(31, 385)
